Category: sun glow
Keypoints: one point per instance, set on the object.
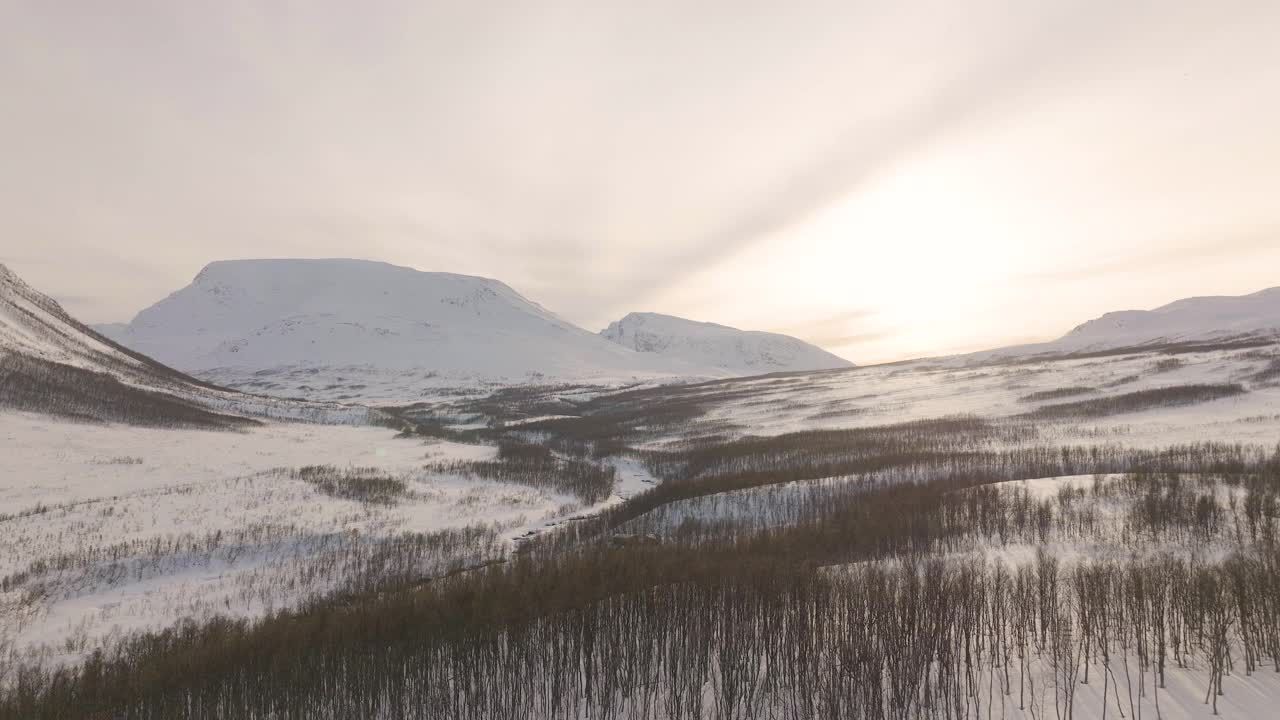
(919, 251)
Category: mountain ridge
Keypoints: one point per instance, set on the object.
(342, 318)
(51, 363)
(1195, 320)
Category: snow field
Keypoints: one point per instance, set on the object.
(111, 529)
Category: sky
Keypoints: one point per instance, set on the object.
(887, 180)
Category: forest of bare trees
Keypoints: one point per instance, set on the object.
(871, 608)
(32, 384)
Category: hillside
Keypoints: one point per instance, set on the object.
(51, 363)
(742, 352)
(1197, 320)
(1188, 320)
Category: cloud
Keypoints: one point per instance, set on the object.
(602, 156)
(1042, 46)
(834, 330)
(1159, 257)
(848, 340)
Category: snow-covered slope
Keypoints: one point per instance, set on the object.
(369, 318)
(50, 362)
(1190, 320)
(35, 326)
(702, 343)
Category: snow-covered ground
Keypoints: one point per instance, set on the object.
(751, 509)
(110, 528)
(378, 386)
(1108, 537)
(927, 389)
(59, 462)
(71, 487)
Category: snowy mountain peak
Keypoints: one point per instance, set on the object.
(321, 277)
(638, 328)
(339, 319)
(720, 346)
(270, 312)
(225, 292)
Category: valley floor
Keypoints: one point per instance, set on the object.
(110, 529)
(629, 549)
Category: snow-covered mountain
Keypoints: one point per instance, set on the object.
(352, 323)
(742, 352)
(52, 363)
(1190, 320)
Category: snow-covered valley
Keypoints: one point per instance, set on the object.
(114, 529)
(815, 503)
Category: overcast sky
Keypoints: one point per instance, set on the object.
(887, 179)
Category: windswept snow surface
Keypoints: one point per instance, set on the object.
(742, 352)
(361, 329)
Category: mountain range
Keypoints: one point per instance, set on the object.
(355, 328)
